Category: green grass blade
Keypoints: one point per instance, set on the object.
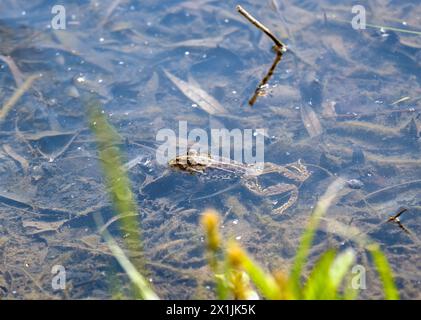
(221, 276)
(318, 286)
(263, 281)
(327, 275)
(118, 183)
(137, 279)
(349, 292)
(339, 269)
(385, 272)
(307, 238)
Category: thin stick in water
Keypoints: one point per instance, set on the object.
(279, 45)
(280, 48)
(266, 78)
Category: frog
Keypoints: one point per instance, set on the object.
(210, 167)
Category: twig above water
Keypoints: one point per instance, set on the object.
(279, 47)
(261, 27)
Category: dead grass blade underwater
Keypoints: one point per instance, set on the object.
(194, 92)
(16, 96)
(311, 121)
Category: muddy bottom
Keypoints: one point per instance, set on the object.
(344, 102)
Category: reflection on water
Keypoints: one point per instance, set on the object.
(345, 102)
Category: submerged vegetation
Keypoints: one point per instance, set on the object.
(92, 197)
(236, 274)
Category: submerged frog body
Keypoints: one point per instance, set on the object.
(249, 174)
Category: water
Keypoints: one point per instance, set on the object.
(362, 86)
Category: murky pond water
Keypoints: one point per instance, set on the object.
(344, 102)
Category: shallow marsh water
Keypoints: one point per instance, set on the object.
(362, 86)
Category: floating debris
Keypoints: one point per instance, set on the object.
(395, 219)
(401, 100)
(396, 216)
